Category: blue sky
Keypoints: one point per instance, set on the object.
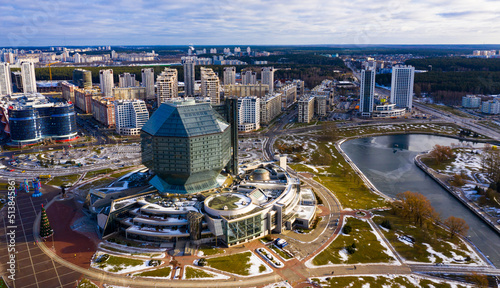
(248, 22)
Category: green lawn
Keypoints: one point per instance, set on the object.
(207, 250)
(335, 173)
(368, 248)
(431, 163)
(219, 202)
(95, 173)
(192, 273)
(160, 272)
(85, 283)
(96, 183)
(381, 281)
(434, 236)
(2, 283)
(450, 110)
(119, 263)
(236, 263)
(64, 180)
(121, 173)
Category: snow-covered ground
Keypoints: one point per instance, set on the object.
(155, 277)
(255, 263)
(344, 255)
(215, 276)
(455, 259)
(123, 268)
(131, 251)
(390, 280)
(283, 284)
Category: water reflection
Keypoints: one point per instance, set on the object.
(388, 162)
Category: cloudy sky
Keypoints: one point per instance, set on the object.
(252, 22)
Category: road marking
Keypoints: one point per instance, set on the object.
(26, 242)
(52, 260)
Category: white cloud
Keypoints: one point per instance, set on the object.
(248, 22)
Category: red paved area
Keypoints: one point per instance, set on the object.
(66, 241)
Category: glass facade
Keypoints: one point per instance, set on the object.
(186, 146)
(30, 125)
(242, 230)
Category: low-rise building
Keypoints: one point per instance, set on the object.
(268, 200)
(387, 111)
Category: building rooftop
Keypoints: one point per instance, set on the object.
(184, 119)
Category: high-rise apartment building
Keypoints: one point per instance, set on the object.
(270, 107)
(5, 80)
(248, 77)
(126, 80)
(189, 66)
(28, 76)
(166, 84)
(210, 85)
(148, 81)
(471, 101)
(300, 87)
(107, 82)
(306, 109)
(267, 77)
(367, 92)
(402, 86)
(229, 75)
(248, 114)
(130, 116)
(289, 95)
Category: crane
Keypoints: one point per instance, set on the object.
(50, 71)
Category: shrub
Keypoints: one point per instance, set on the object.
(386, 224)
(154, 263)
(102, 258)
(350, 250)
(347, 229)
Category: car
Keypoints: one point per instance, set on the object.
(12, 170)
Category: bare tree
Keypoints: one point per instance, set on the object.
(440, 153)
(479, 280)
(456, 226)
(491, 162)
(416, 207)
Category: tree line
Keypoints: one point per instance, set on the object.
(455, 64)
(417, 209)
